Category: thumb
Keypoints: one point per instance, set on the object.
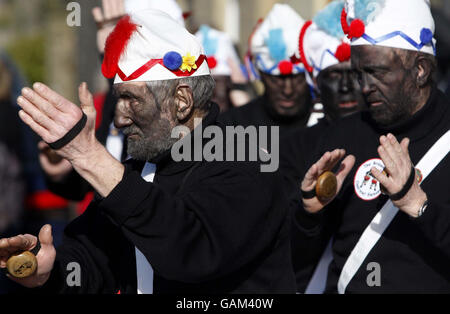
(47, 253)
(86, 99)
(46, 237)
(405, 145)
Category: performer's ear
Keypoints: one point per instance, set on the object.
(424, 69)
(184, 101)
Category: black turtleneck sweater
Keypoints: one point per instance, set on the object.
(205, 227)
(414, 254)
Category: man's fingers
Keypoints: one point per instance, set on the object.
(382, 178)
(405, 145)
(109, 9)
(397, 148)
(336, 156)
(97, 13)
(309, 182)
(387, 160)
(86, 98)
(121, 7)
(45, 236)
(346, 166)
(19, 243)
(40, 103)
(38, 129)
(322, 163)
(58, 101)
(39, 117)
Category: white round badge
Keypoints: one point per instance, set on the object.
(366, 186)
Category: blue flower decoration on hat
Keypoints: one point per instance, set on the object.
(426, 36)
(173, 60)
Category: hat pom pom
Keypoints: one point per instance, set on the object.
(212, 62)
(357, 29)
(285, 67)
(172, 60)
(426, 36)
(343, 52)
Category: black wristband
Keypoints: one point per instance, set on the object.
(406, 188)
(66, 139)
(307, 195)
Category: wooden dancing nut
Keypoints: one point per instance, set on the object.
(326, 187)
(22, 265)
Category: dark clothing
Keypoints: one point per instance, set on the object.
(205, 227)
(296, 150)
(414, 254)
(258, 113)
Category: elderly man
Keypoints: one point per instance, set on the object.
(325, 52)
(393, 211)
(157, 225)
(286, 101)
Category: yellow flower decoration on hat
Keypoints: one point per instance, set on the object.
(188, 63)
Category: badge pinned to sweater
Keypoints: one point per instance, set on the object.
(366, 186)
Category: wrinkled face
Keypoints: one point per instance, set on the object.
(387, 82)
(288, 95)
(146, 123)
(222, 92)
(340, 91)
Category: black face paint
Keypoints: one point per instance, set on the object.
(388, 85)
(340, 92)
(288, 96)
(144, 121)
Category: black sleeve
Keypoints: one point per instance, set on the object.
(224, 221)
(94, 243)
(73, 187)
(435, 225)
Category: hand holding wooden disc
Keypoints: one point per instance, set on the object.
(22, 265)
(326, 187)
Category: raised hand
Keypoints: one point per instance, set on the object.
(45, 257)
(52, 116)
(106, 18)
(406, 195)
(327, 163)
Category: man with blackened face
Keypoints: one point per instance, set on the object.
(391, 208)
(160, 223)
(340, 93)
(274, 58)
(395, 82)
(325, 52)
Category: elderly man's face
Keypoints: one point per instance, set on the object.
(288, 95)
(146, 122)
(340, 91)
(387, 80)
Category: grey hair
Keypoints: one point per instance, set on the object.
(202, 89)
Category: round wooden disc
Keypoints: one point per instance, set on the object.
(22, 265)
(326, 186)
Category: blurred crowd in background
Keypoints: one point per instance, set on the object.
(37, 44)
